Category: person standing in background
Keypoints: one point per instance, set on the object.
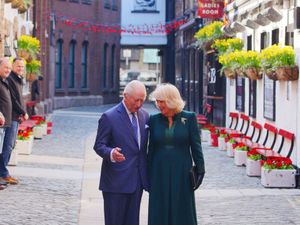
(5, 108)
(35, 93)
(15, 81)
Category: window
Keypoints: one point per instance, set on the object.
(106, 4)
(112, 69)
(152, 66)
(289, 37)
(58, 64)
(275, 36)
(249, 42)
(86, 2)
(84, 54)
(114, 5)
(71, 80)
(264, 42)
(104, 67)
(269, 98)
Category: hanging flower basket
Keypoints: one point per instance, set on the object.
(207, 45)
(16, 3)
(25, 55)
(253, 73)
(229, 73)
(24, 6)
(240, 72)
(271, 74)
(31, 76)
(287, 73)
(22, 9)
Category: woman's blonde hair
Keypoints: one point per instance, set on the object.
(170, 94)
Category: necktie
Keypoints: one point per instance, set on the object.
(134, 126)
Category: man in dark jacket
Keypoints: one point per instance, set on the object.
(5, 107)
(15, 81)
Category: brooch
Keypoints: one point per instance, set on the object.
(183, 120)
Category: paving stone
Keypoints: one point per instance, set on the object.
(227, 196)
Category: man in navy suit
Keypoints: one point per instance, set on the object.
(122, 141)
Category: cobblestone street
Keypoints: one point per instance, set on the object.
(59, 183)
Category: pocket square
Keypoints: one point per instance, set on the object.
(146, 126)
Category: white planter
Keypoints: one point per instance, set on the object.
(205, 135)
(44, 126)
(24, 147)
(278, 178)
(230, 151)
(38, 132)
(13, 160)
(240, 157)
(222, 144)
(253, 168)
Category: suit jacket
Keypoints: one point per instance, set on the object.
(16, 87)
(115, 130)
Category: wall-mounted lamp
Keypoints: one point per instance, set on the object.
(237, 27)
(228, 31)
(262, 20)
(251, 24)
(272, 14)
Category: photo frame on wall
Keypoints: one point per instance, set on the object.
(252, 98)
(269, 98)
(240, 94)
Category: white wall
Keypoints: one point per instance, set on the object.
(287, 95)
(139, 19)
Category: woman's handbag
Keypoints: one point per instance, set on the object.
(196, 178)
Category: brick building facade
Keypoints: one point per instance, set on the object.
(80, 67)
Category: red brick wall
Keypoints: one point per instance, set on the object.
(95, 13)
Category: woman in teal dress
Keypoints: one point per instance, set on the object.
(174, 145)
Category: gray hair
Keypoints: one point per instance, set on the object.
(170, 94)
(132, 86)
(4, 59)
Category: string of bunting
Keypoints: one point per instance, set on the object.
(148, 29)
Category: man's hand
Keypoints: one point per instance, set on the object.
(117, 155)
(26, 117)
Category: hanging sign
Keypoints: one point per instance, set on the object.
(212, 9)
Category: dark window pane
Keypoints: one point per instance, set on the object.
(58, 64)
(84, 55)
(71, 81)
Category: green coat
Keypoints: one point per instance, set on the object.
(170, 156)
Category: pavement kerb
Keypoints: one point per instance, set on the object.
(91, 204)
(91, 209)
